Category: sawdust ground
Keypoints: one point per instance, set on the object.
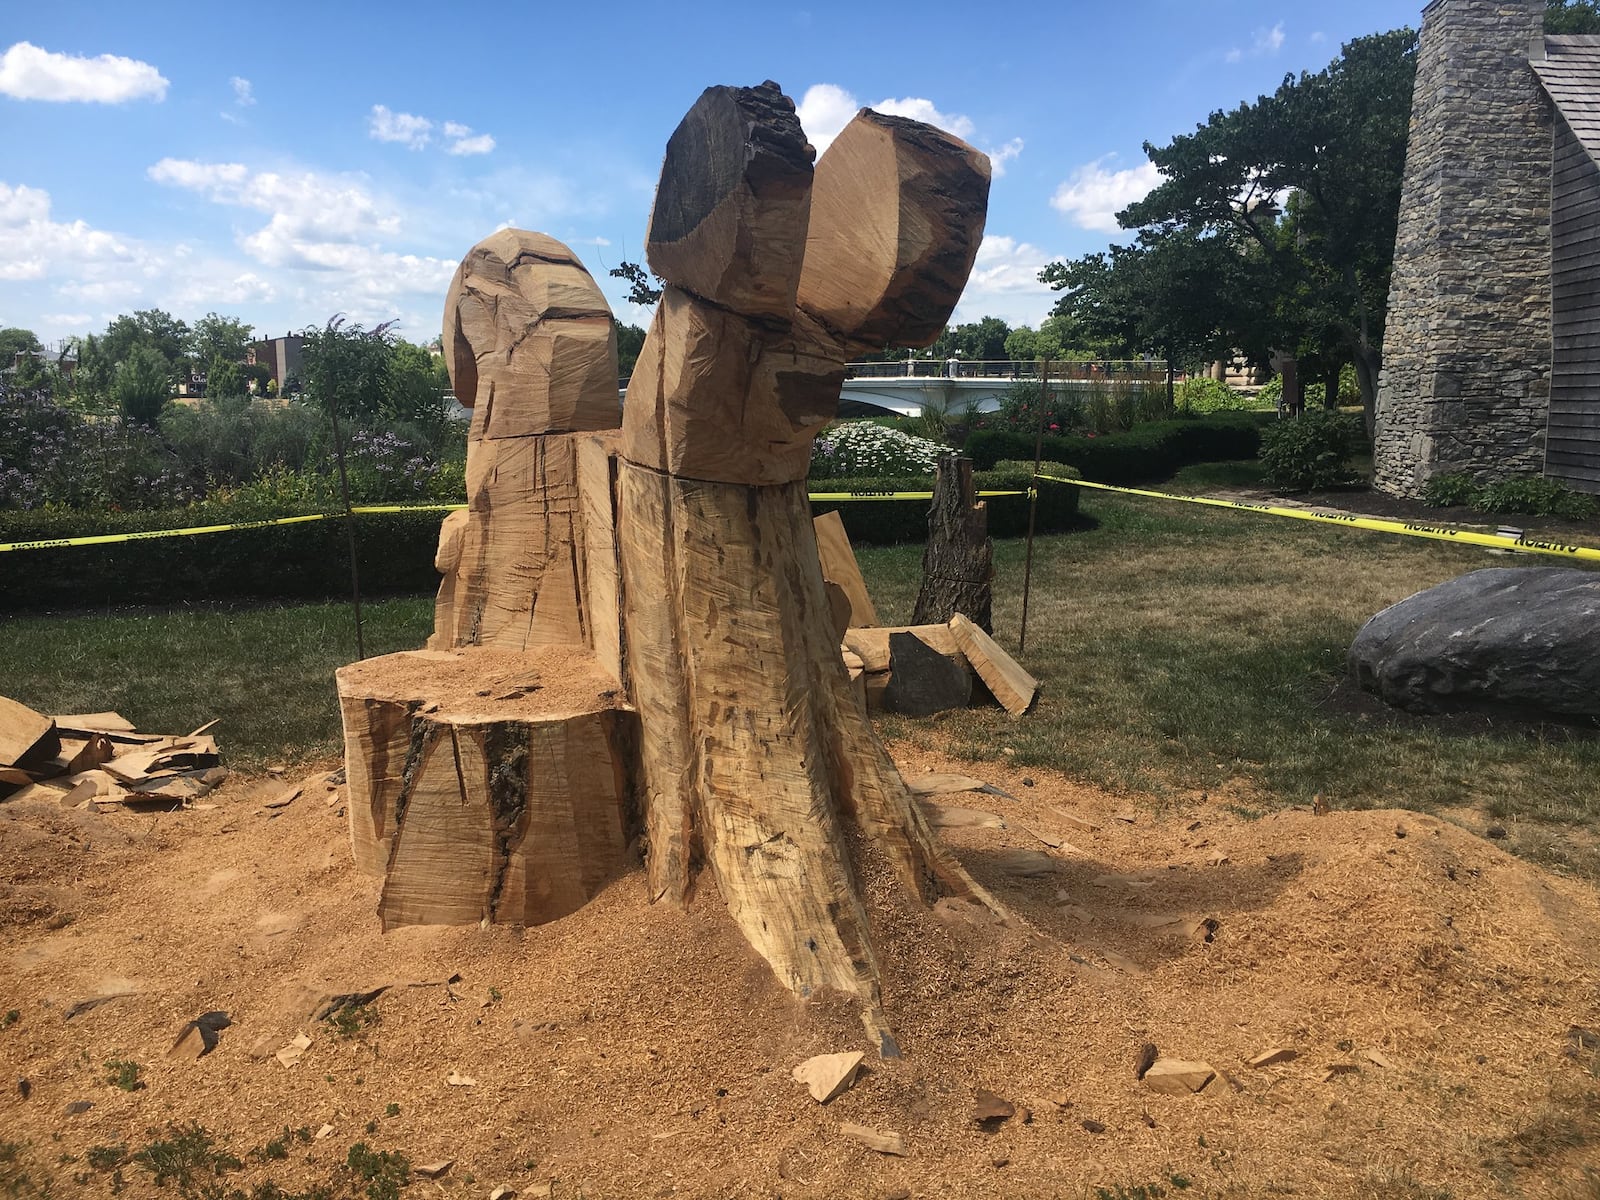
(632, 1050)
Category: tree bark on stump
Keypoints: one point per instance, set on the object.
(958, 562)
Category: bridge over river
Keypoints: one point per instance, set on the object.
(911, 386)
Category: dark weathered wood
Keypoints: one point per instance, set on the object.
(958, 561)
(1572, 443)
(922, 681)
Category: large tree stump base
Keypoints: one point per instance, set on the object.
(486, 785)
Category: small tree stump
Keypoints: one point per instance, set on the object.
(958, 563)
(486, 784)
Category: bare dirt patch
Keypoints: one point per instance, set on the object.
(1427, 982)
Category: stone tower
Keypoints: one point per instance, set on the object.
(1466, 352)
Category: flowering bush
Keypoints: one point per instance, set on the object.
(862, 448)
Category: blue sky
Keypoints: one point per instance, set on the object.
(284, 162)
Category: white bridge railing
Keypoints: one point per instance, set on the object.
(960, 368)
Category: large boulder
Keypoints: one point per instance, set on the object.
(1523, 641)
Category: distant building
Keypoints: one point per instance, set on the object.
(281, 356)
(1491, 361)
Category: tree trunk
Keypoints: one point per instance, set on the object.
(958, 563)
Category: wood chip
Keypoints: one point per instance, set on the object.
(1342, 1068)
(940, 783)
(1026, 863)
(291, 1054)
(1147, 1059)
(1177, 1077)
(324, 1131)
(1378, 1058)
(884, 1142)
(953, 816)
(990, 1107)
(1075, 819)
(1278, 1054)
(1126, 817)
(285, 798)
(456, 1079)
(434, 1170)
(1055, 841)
(828, 1075)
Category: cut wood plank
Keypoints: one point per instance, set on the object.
(938, 783)
(881, 1140)
(25, 736)
(1268, 1058)
(953, 816)
(839, 565)
(1012, 686)
(102, 722)
(872, 645)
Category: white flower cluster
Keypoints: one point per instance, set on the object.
(868, 450)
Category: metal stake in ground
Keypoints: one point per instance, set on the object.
(1033, 500)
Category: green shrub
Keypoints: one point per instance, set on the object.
(1145, 454)
(1449, 490)
(1201, 396)
(1536, 496)
(1271, 391)
(1310, 451)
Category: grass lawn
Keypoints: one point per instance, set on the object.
(1182, 649)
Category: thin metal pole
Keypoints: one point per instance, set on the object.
(1033, 501)
(349, 524)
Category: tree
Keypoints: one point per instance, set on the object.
(1572, 16)
(418, 384)
(143, 385)
(153, 329)
(216, 337)
(224, 378)
(14, 340)
(630, 340)
(345, 368)
(983, 340)
(1333, 144)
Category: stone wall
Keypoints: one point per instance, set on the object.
(1466, 354)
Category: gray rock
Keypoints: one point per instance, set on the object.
(1520, 641)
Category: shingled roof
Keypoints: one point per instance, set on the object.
(1570, 72)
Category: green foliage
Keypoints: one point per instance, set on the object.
(630, 340)
(1537, 496)
(142, 385)
(106, 1158)
(218, 338)
(345, 368)
(13, 341)
(149, 329)
(979, 341)
(1530, 494)
(383, 1172)
(1201, 396)
(187, 1157)
(391, 1110)
(123, 1074)
(1146, 453)
(224, 379)
(11, 1018)
(865, 448)
(1449, 490)
(1309, 452)
(640, 289)
(1572, 16)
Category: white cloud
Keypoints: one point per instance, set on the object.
(1094, 194)
(305, 207)
(1000, 157)
(1005, 283)
(29, 73)
(455, 129)
(1263, 44)
(411, 131)
(1318, 37)
(826, 108)
(243, 93)
(32, 244)
(480, 144)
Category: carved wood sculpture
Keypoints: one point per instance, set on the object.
(755, 749)
(718, 693)
(489, 774)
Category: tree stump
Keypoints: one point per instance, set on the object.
(958, 562)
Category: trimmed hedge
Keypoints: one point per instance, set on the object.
(1147, 453)
(395, 551)
(885, 522)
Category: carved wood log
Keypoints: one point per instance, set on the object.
(958, 561)
(755, 752)
(484, 784)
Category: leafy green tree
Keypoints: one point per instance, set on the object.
(630, 340)
(345, 368)
(1572, 16)
(977, 341)
(215, 337)
(14, 340)
(418, 383)
(142, 385)
(225, 377)
(152, 329)
(1334, 144)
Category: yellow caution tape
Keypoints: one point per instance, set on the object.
(1440, 533)
(106, 539)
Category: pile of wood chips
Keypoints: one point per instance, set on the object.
(100, 759)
